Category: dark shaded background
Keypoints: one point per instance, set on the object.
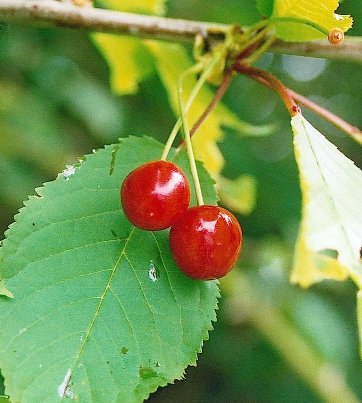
(56, 105)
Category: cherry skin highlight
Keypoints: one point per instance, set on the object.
(155, 195)
(206, 242)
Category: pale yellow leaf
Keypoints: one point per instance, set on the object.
(287, 13)
(332, 215)
(128, 61)
(311, 267)
(136, 6)
(127, 58)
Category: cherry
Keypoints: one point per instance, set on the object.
(155, 195)
(206, 242)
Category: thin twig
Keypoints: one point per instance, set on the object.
(178, 124)
(189, 148)
(267, 78)
(353, 131)
(217, 97)
(54, 13)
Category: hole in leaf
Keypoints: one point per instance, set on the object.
(64, 387)
(68, 171)
(153, 274)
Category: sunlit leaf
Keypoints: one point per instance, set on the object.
(238, 194)
(128, 61)
(294, 19)
(330, 237)
(88, 321)
(136, 6)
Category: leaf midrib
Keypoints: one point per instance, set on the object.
(99, 305)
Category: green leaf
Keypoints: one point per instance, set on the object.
(330, 237)
(305, 20)
(265, 7)
(89, 320)
(4, 399)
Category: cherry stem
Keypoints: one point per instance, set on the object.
(216, 99)
(223, 87)
(190, 151)
(178, 124)
(353, 131)
(268, 79)
(200, 82)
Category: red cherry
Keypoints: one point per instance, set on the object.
(155, 195)
(206, 242)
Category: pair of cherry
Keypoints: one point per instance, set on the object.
(205, 240)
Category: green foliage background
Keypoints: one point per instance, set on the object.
(56, 105)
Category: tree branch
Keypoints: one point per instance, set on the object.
(350, 50)
(54, 13)
(50, 12)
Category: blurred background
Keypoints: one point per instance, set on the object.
(56, 105)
